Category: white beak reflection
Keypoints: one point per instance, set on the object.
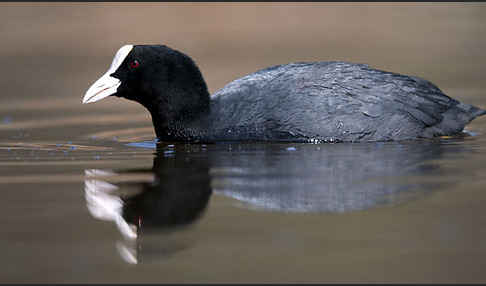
(104, 203)
(159, 204)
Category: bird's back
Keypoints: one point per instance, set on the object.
(334, 101)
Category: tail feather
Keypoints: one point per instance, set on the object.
(470, 112)
(454, 120)
(478, 112)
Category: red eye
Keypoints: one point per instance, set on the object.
(134, 64)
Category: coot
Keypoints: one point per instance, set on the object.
(299, 102)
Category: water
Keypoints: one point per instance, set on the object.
(89, 196)
(116, 206)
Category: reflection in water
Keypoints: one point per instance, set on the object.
(278, 177)
(325, 178)
(176, 197)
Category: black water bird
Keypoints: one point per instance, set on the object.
(300, 102)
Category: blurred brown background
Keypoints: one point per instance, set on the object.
(56, 51)
(69, 45)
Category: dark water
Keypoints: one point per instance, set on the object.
(88, 196)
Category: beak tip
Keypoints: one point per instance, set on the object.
(85, 100)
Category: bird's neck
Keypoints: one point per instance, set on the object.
(180, 105)
(186, 121)
(192, 131)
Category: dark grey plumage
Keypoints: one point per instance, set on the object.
(334, 101)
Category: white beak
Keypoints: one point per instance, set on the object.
(103, 87)
(107, 85)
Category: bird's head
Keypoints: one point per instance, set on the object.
(165, 81)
